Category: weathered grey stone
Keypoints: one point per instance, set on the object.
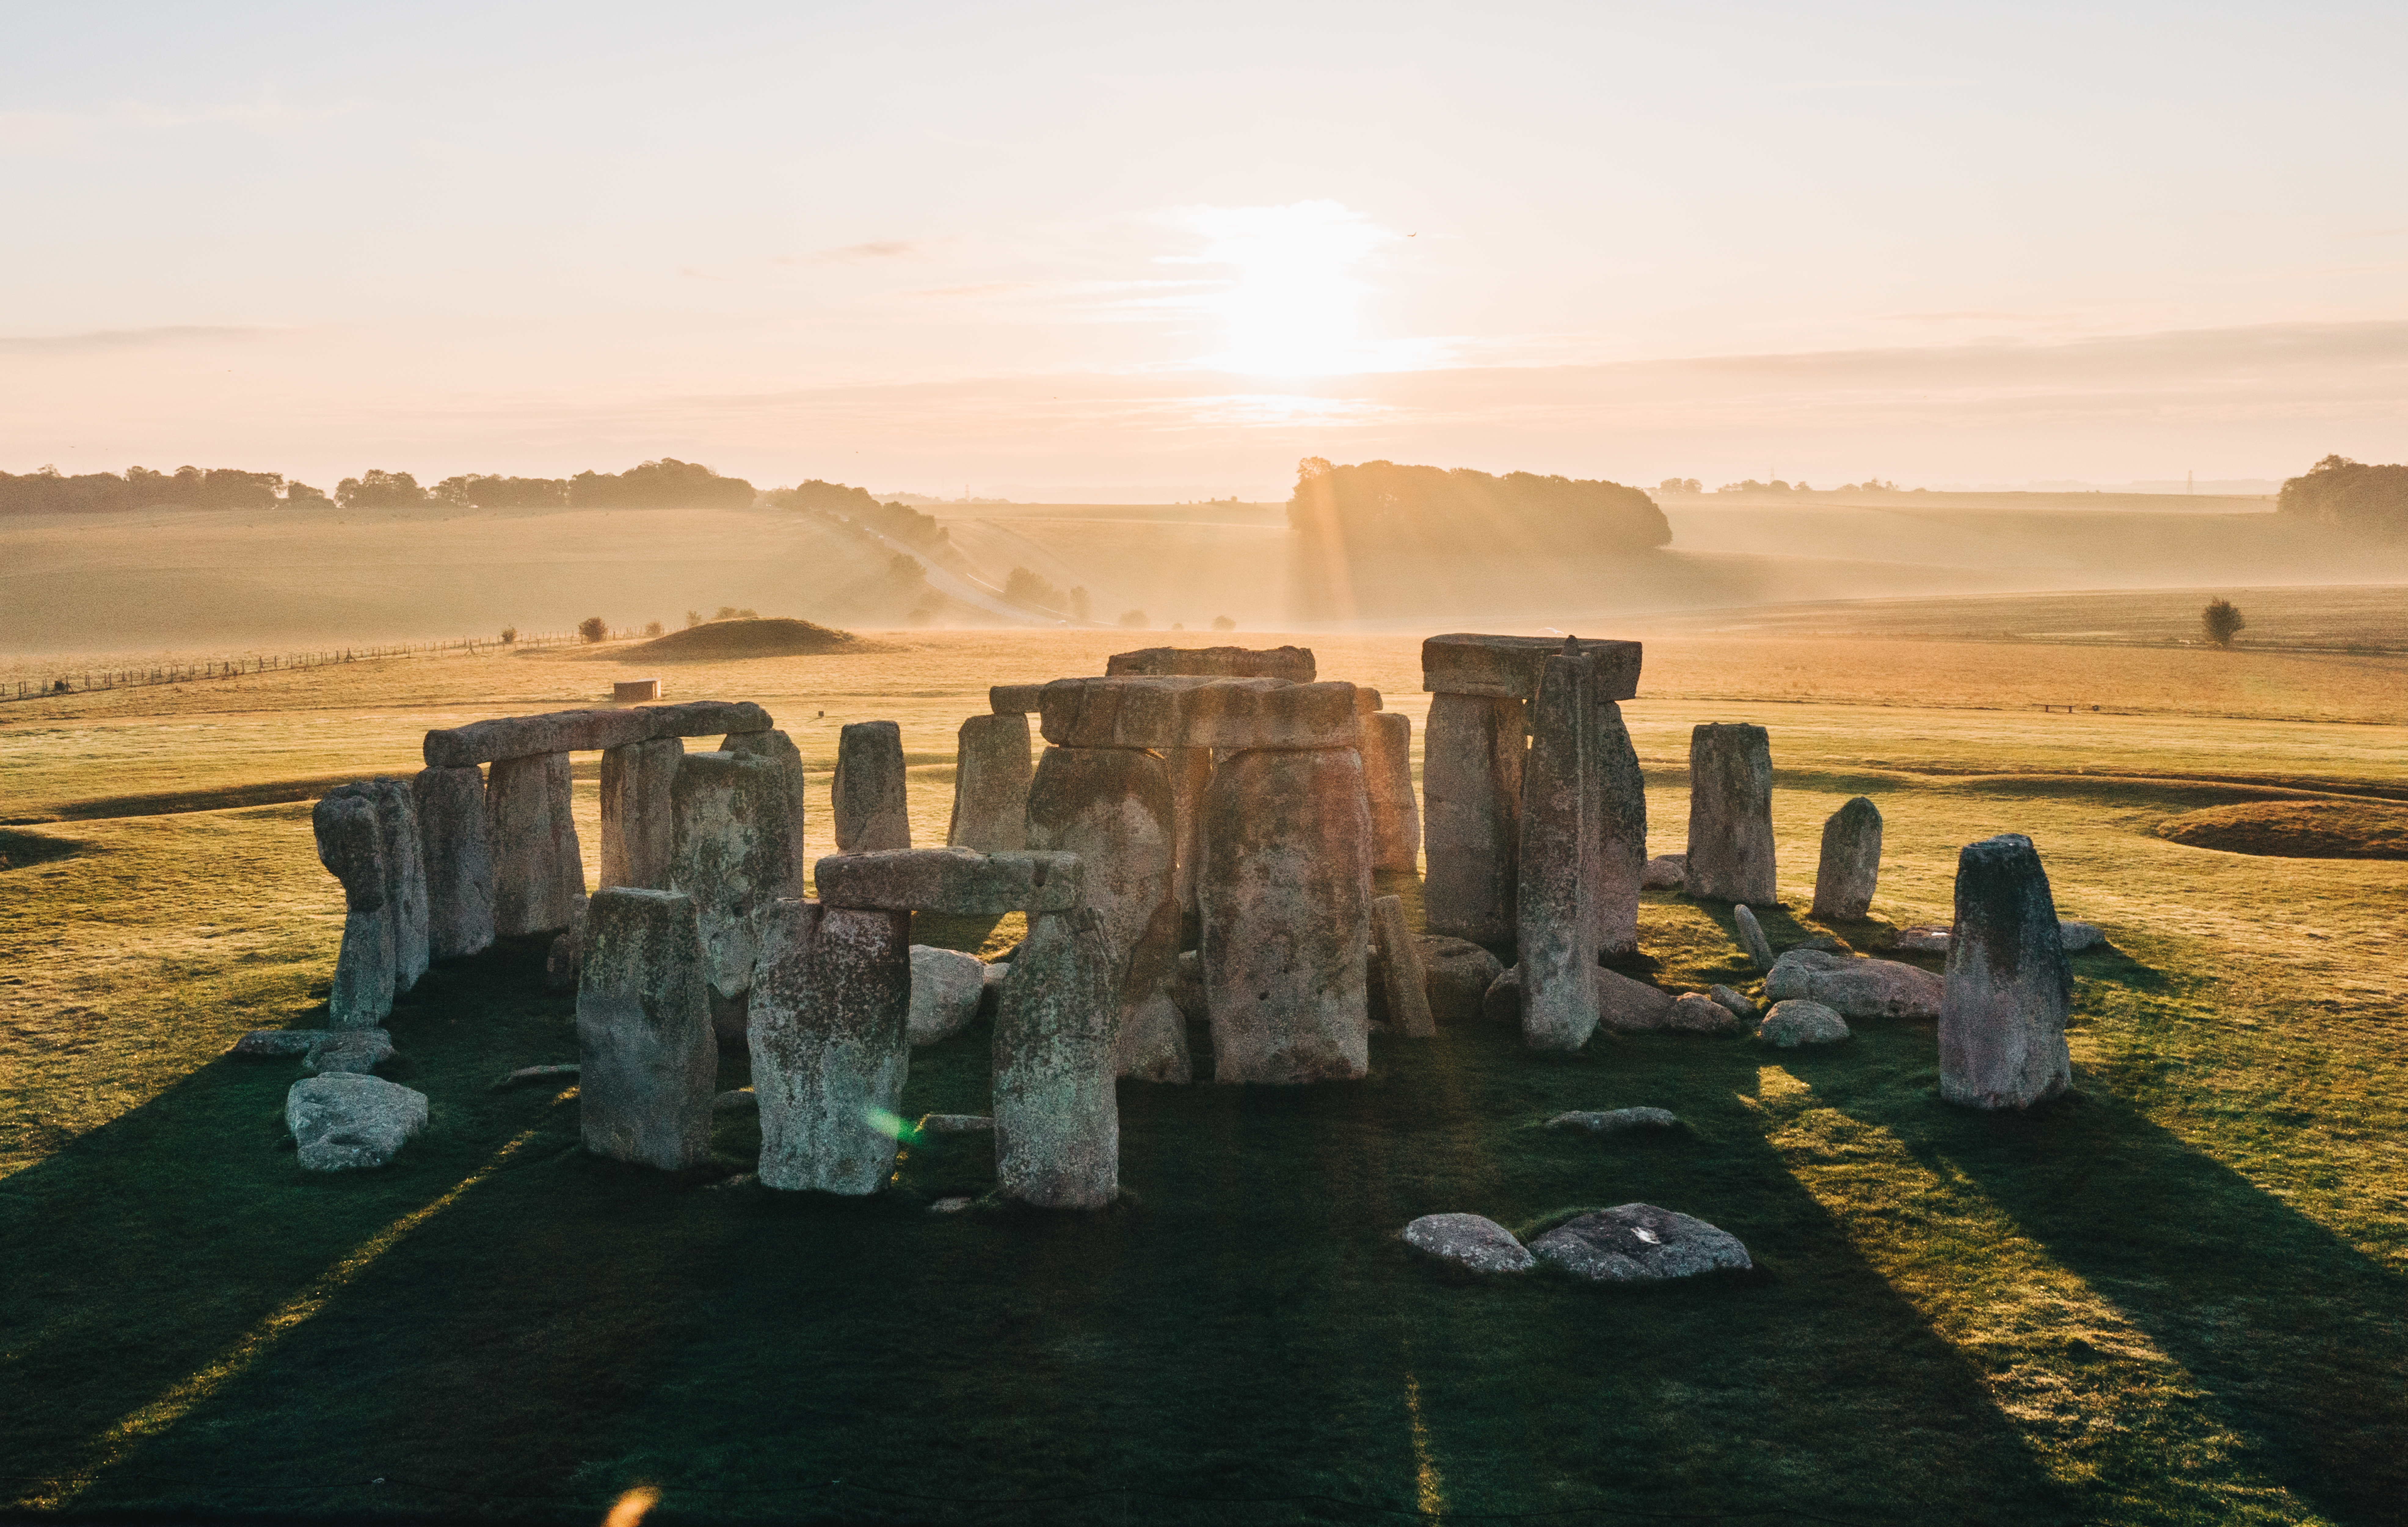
(1481, 1245)
(1284, 892)
(1665, 872)
(1507, 666)
(1153, 1043)
(1751, 936)
(561, 962)
(831, 1045)
(347, 1122)
(1402, 981)
(1186, 987)
(1015, 699)
(405, 872)
(1556, 923)
(2077, 937)
(553, 1073)
(954, 882)
(2008, 986)
(348, 1049)
(351, 845)
(456, 845)
(1694, 1012)
(582, 731)
(1294, 664)
(1923, 939)
(737, 1099)
(1730, 813)
(991, 980)
(1617, 836)
(1471, 791)
(1736, 1001)
(1616, 1122)
(1639, 1243)
(734, 854)
(945, 987)
(957, 1124)
(1233, 714)
(1631, 1007)
(780, 749)
(992, 766)
(1056, 1115)
(1388, 781)
(1850, 867)
(638, 815)
(286, 1042)
(646, 1062)
(1855, 988)
(1797, 1021)
(1191, 775)
(1367, 701)
(361, 993)
(538, 868)
(1112, 808)
(1459, 974)
(871, 812)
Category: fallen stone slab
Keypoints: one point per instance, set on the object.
(1508, 667)
(1615, 1120)
(1015, 699)
(2077, 937)
(584, 732)
(1458, 974)
(1736, 1001)
(1631, 1007)
(1795, 1021)
(955, 882)
(1854, 986)
(1294, 664)
(2008, 987)
(1694, 1012)
(358, 1050)
(1665, 872)
(1639, 1243)
(1470, 1240)
(524, 1075)
(957, 1124)
(1230, 713)
(347, 1122)
(262, 1042)
(945, 987)
(1751, 937)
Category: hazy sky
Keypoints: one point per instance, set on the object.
(943, 245)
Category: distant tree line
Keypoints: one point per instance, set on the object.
(2349, 495)
(666, 484)
(51, 492)
(899, 522)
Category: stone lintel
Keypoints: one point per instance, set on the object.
(1230, 714)
(1294, 664)
(586, 731)
(1014, 699)
(1508, 667)
(956, 882)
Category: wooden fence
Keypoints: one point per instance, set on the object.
(78, 682)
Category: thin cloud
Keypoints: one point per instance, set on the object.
(169, 335)
(870, 251)
(268, 111)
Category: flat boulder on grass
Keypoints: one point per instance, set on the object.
(1797, 1021)
(280, 1042)
(946, 986)
(1459, 974)
(1615, 1120)
(1852, 987)
(1923, 939)
(350, 1123)
(1484, 1246)
(1730, 997)
(1639, 1243)
(1631, 1007)
(2077, 937)
(358, 1050)
(1665, 873)
(1694, 1012)
(1751, 937)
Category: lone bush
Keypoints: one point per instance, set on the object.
(2221, 620)
(509, 634)
(1223, 623)
(1134, 619)
(593, 629)
(651, 627)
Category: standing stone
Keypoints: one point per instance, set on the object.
(1388, 778)
(1617, 835)
(871, 812)
(647, 1068)
(351, 845)
(405, 872)
(1283, 891)
(831, 1045)
(1851, 863)
(990, 775)
(1402, 979)
(455, 846)
(1471, 792)
(1751, 936)
(1730, 813)
(1555, 925)
(733, 852)
(1112, 808)
(779, 749)
(2007, 985)
(638, 818)
(1057, 1117)
(1191, 774)
(538, 870)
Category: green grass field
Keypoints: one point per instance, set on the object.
(2181, 1295)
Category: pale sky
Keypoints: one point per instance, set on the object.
(946, 246)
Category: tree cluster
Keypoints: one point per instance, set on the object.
(895, 521)
(1040, 592)
(51, 492)
(1432, 510)
(2350, 495)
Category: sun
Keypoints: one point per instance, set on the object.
(1293, 302)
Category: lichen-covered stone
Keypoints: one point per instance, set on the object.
(1554, 922)
(945, 988)
(1388, 781)
(585, 731)
(1292, 664)
(1631, 1007)
(734, 854)
(1855, 988)
(831, 1045)
(1665, 872)
(1153, 1043)
(1459, 974)
(1056, 1115)
(870, 810)
(992, 765)
(1751, 936)
(1694, 1012)
(539, 870)
(780, 749)
(1639, 1243)
(2008, 987)
(952, 881)
(1167, 713)
(638, 812)
(1470, 1240)
(1850, 867)
(1402, 981)
(1797, 1021)
(1112, 808)
(405, 872)
(1729, 856)
(1616, 835)
(1507, 666)
(1615, 1120)
(351, 845)
(1736, 1001)
(455, 846)
(1472, 752)
(348, 1122)
(647, 1065)
(348, 1049)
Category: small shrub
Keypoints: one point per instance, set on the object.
(509, 634)
(592, 629)
(651, 627)
(1134, 619)
(2221, 620)
(1223, 623)
(693, 619)
(61, 686)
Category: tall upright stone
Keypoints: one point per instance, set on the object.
(1284, 891)
(1851, 863)
(1404, 980)
(1191, 775)
(538, 872)
(1730, 813)
(1556, 924)
(1388, 780)
(1112, 808)
(638, 815)
(1617, 832)
(871, 810)
(2007, 986)
(831, 1045)
(405, 872)
(1057, 1118)
(351, 845)
(992, 768)
(778, 748)
(1471, 789)
(456, 845)
(647, 1068)
(734, 854)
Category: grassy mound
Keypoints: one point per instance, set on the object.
(2297, 830)
(777, 637)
